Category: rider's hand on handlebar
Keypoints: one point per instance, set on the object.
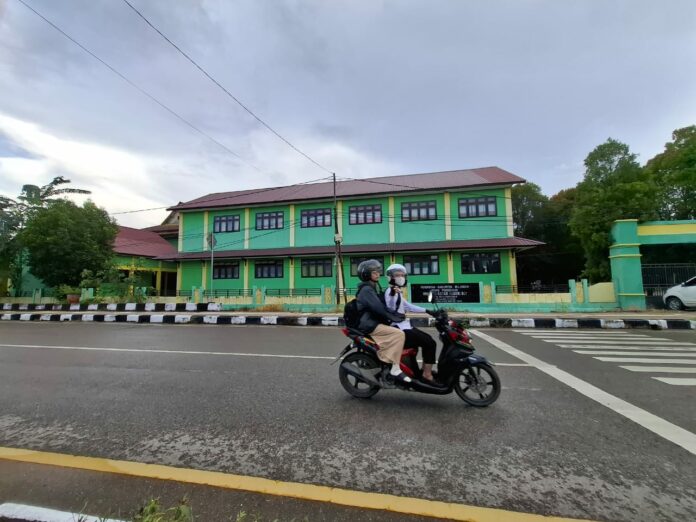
(434, 313)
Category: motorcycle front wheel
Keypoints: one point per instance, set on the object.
(478, 385)
(352, 384)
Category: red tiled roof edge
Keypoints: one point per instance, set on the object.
(453, 179)
(142, 243)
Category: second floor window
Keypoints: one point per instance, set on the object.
(226, 224)
(478, 207)
(422, 265)
(226, 271)
(317, 267)
(355, 261)
(481, 263)
(320, 217)
(268, 269)
(269, 220)
(365, 214)
(418, 211)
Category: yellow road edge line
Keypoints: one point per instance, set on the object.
(344, 497)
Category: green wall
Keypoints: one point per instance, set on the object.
(411, 231)
(228, 240)
(191, 274)
(280, 282)
(483, 227)
(313, 236)
(367, 233)
(192, 232)
(273, 238)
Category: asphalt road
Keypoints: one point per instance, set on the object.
(542, 448)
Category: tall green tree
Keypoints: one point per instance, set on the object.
(546, 219)
(674, 173)
(63, 239)
(528, 207)
(14, 214)
(614, 187)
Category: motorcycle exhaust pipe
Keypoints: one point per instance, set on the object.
(358, 374)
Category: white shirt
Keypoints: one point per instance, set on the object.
(404, 307)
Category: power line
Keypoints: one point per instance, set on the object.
(245, 193)
(140, 89)
(228, 93)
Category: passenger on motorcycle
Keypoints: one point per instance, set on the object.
(396, 303)
(375, 318)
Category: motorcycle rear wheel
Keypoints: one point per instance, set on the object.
(352, 384)
(478, 385)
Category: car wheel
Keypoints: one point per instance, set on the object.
(674, 303)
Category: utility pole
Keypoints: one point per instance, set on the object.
(337, 242)
(211, 243)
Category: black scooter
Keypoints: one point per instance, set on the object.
(461, 370)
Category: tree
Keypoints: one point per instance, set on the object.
(63, 239)
(546, 219)
(674, 173)
(614, 187)
(528, 204)
(14, 214)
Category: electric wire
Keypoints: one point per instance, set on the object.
(227, 92)
(140, 89)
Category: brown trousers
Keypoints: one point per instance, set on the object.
(391, 343)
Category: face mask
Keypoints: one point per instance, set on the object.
(400, 281)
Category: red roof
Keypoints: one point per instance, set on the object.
(519, 243)
(142, 243)
(452, 179)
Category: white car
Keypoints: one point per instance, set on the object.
(681, 296)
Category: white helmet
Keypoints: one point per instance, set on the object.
(393, 269)
(396, 267)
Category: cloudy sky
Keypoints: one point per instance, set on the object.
(364, 87)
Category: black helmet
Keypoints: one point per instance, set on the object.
(366, 268)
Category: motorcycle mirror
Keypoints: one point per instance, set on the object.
(430, 296)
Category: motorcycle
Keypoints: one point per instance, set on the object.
(470, 375)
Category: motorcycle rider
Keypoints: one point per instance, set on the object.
(395, 302)
(375, 318)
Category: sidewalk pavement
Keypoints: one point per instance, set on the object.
(209, 313)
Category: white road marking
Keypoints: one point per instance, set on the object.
(184, 352)
(658, 425)
(194, 352)
(571, 332)
(659, 369)
(645, 360)
(677, 381)
(614, 347)
(622, 341)
(651, 353)
(590, 336)
(38, 514)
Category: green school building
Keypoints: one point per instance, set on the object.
(446, 227)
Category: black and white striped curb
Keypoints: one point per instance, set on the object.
(114, 307)
(333, 320)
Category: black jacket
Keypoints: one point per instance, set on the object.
(372, 309)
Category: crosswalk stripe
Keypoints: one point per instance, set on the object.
(637, 343)
(582, 334)
(658, 369)
(651, 354)
(561, 332)
(645, 360)
(596, 338)
(614, 347)
(677, 381)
